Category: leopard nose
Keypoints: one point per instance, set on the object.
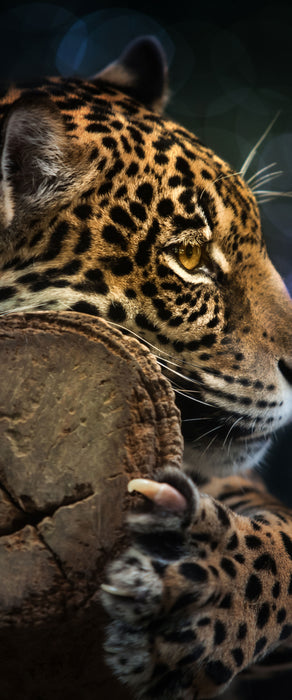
(285, 367)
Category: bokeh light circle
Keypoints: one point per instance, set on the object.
(101, 36)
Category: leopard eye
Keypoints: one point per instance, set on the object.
(189, 255)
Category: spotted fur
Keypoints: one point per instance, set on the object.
(98, 193)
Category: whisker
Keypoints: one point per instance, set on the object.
(264, 200)
(19, 309)
(192, 398)
(253, 177)
(230, 429)
(192, 420)
(266, 178)
(225, 177)
(157, 351)
(269, 195)
(208, 446)
(33, 307)
(221, 177)
(179, 374)
(229, 446)
(217, 427)
(253, 151)
(275, 193)
(188, 392)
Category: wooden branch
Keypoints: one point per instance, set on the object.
(82, 410)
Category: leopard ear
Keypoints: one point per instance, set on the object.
(140, 72)
(32, 159)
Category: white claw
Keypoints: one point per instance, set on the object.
(162, 494)
(115, 591)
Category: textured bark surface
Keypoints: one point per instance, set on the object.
(82, 410)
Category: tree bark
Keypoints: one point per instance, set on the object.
(82, 410)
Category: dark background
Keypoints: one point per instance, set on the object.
(230, 74)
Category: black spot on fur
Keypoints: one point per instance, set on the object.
(219, 632)
(233, 542)
(242, 631)
(276, 589)
(206, 341)
(116, 312)
(160, 158)
(228, 566)
(7, 293)
(94, 154)
(84, 242)
(132, 170)
(240, 558)
(265, 563)
(105, 188)
(95, 277)
(121, 266)
(238, 656)
(204, 621)
(165, 207)
(85, 308)
(192, 656)
(287, 543)
(253, 588)
(281, 615)
(35, 239)
(97, 128)
(286, 632)
(226, 602)
(142, 256)
(263, 615)
(149, 289)
(184, 600)
(109, 142)
(260, 645)
(253, 542)
(194, 572)
(115, 169)
(218, 672)
(174, 181)
(57, 238)
(112, 235)
(130, 293)
(120, 216)
(145, 193)
(83, 211)
(143, 322)
(182, 165)
(222, 515)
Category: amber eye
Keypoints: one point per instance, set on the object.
(189, 255)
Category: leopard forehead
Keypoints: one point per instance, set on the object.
(99, 194)
(147, 183)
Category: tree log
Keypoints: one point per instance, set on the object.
(82, 410)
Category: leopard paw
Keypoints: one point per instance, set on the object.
(184, 599)
(133, 590)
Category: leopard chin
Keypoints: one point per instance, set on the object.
(219, 441)
(222, 459)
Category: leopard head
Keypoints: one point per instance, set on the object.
(109, 208)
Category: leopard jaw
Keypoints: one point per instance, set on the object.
(211, 460)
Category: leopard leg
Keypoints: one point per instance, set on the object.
(203, 593)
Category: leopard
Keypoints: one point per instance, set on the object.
(110, 208)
